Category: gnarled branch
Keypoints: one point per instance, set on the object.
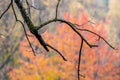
(34, 30)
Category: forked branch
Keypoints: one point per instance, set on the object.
(99, 37)
(23, 29)
(34, 30)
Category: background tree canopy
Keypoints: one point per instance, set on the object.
(17, 61)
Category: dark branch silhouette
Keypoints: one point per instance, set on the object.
(79, 59)
(57, 52)
(34, 30)
(6, 9)
(30, 24)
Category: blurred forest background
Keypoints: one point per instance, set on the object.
(17, 61)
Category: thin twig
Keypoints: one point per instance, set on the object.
(27, 37)
(6, 9)
(28, 8)
(57, 9)
(71, 26)
(100, 37)
(14, 12)
(89, 21)
(57, 51)
(34, 30)
(79, 59)
(24, 30)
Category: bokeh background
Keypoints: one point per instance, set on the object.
(17, 61)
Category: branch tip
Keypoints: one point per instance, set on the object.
(56, 51)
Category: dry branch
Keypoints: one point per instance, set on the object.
(34, 30)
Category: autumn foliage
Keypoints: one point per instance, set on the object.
(101, 63)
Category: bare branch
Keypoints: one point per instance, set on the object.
(57, 9)
(100, 37)
(34, 30)
(57, 51)
(27, 37)
(70, 25)
(28, 8)
(30, 25)
(6, 9)
(24, 30)
(14, 12)
(79, 59)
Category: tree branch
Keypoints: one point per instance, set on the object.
(57, 9)
(70, 25)
(28, 8)
(30, 24)
(57, 51)
(34, 30)
(79, 59)
(6, 9)
(27, 37)
(23, 29)
(100, 37)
